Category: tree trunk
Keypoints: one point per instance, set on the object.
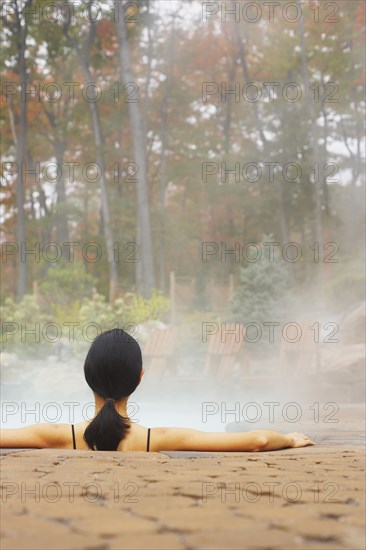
(243, 61)
(62, 229)
(86, 224)
(266, 149)
(59, 144)
(313, 133)
(21, 31)
(107, 221)
(139, 146)
(325, 159)
(227, 122)
(164, 139)
(83, 54)
(139, 279)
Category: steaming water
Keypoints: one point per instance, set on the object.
(34, 391)
(49, 390)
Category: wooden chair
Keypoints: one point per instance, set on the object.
(158, 352)
(223, 349)
(294, 358)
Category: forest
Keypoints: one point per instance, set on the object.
(149, 137)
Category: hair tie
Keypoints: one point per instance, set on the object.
(110, 399)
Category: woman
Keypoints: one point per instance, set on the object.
(113, 370)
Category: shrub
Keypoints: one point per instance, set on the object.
(127, 313)
(17, 322)
(94, 315)
(67, 282)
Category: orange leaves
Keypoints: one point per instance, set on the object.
(106, 33)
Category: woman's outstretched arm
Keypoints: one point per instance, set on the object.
(162, 439)
(180, 439)
(36, 436)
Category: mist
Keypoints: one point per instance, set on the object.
(248, 209)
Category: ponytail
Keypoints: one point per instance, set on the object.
(107, 429)
(112, 369)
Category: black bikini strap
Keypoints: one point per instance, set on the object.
(148, 440)
(73, 436)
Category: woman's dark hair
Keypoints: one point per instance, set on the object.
(112, 370)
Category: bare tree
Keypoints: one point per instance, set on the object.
(313, 132)
(18, 26)
(144, 235)
(58, 122)
(265, 144)
(228, 115)
(83, 52)
(164, 142)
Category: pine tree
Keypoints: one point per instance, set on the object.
(263, 291)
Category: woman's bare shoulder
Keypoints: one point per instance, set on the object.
(172, 439)
(41, 436)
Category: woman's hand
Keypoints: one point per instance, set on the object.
(300, 440)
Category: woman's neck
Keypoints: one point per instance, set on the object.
(121, 405)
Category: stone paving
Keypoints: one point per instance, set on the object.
(294, 499)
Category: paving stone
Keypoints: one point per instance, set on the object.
(163, 541)
(245, 539)
(153, 501)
